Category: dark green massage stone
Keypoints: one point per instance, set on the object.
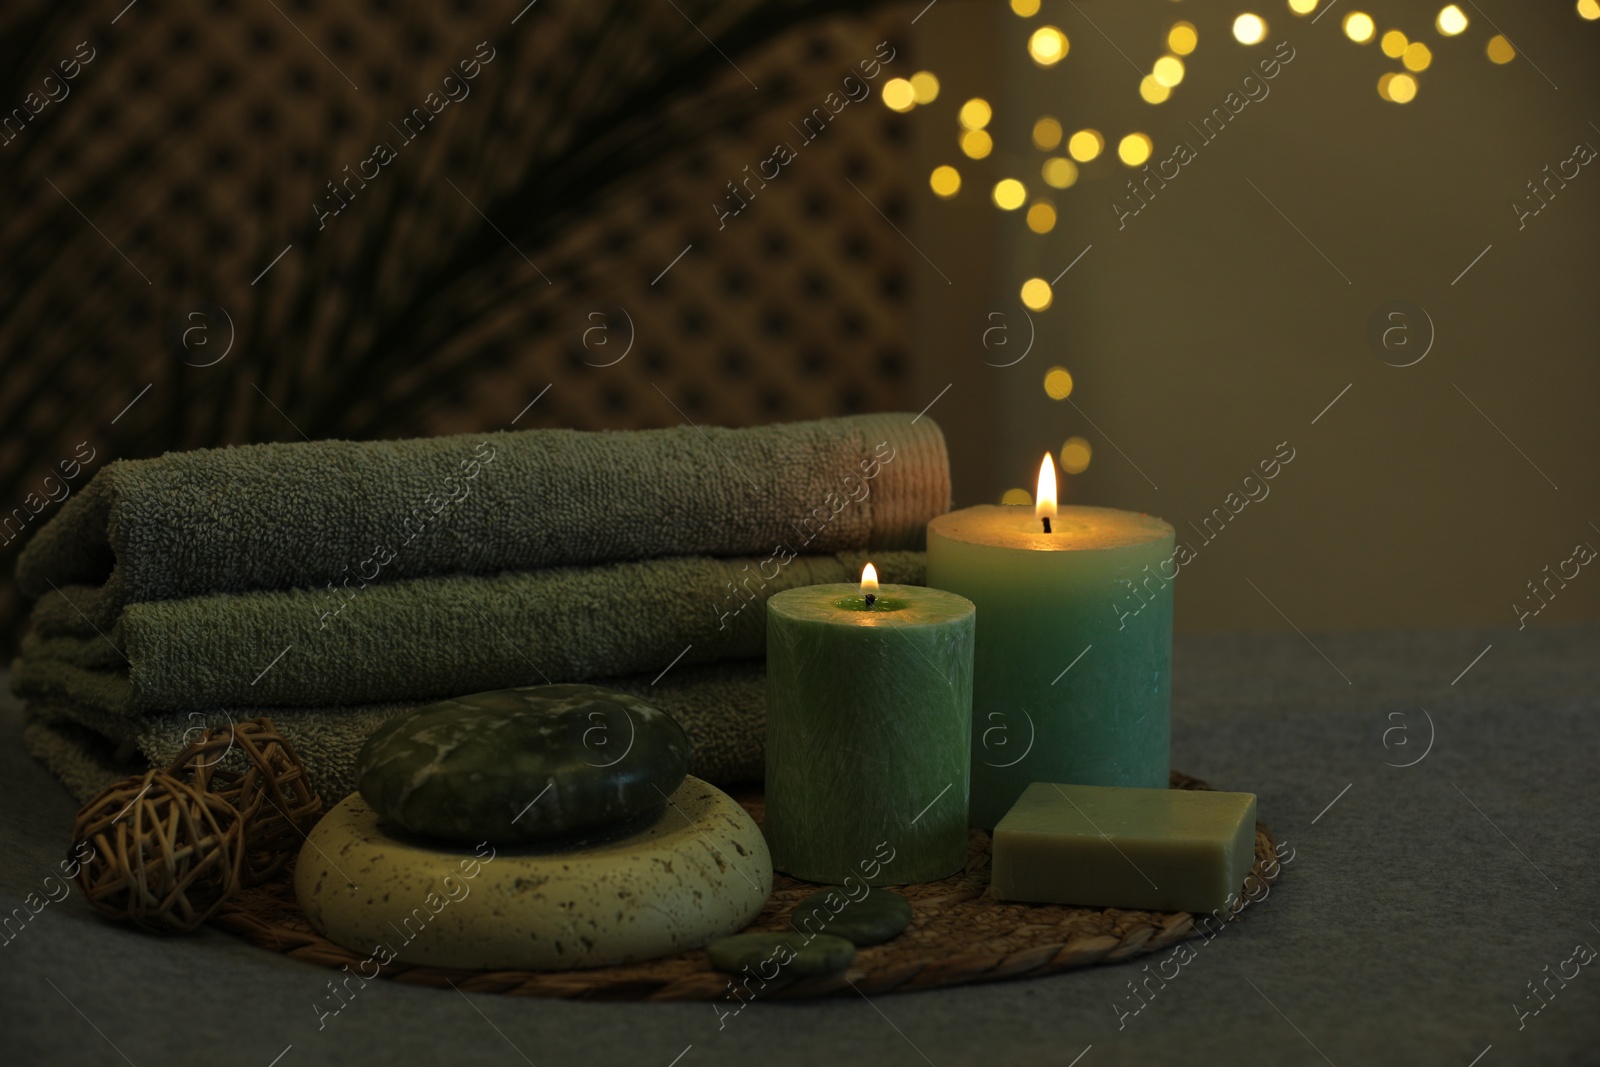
(528, 764)
(872, 919)
(781, 956)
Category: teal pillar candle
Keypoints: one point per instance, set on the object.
(1073, 662)
(869, 728)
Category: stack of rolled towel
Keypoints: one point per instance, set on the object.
(332, 585)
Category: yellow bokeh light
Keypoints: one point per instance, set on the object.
(1041, 216)
(1383, 86)
(1394, 44)
(1182, 38)
(1036, 294)
(1589, 9)
(1047, 46)
(1500, 50)
(1168, 71)
(1025, 8)
(945, 181)
(1017, 496)
(1059, 173)
(1085, 145)
(1452, 20)
(1402, 88)
(898, 95)
(1417, 56)
(924, 87)
(1009, 194)
(1046, 134)
(1057, 383)
(1153, 91)
(1134, 149)
(1359, 27)
(1302, 7)
(975, 114)
(1075, 455)
(976, 144)
(1249, 29)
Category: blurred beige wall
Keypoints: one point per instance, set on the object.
(1225, 317)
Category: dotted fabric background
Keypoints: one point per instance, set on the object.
(471, 272)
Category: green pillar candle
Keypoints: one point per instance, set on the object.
(1073, 662)
(869, 727)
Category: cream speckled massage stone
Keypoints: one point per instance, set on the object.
(699, 873)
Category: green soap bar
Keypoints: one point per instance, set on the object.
(877, 916)
(781, 955)
(1111, 847)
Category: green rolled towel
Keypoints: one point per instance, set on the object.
(423, 638)
(278, 516)
(721, 707)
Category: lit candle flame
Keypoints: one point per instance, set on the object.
(1044, 507)
(869, 580)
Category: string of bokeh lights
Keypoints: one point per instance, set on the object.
(1065, 154)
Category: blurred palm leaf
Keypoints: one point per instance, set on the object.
(363, 329)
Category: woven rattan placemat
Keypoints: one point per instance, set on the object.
(958, 935)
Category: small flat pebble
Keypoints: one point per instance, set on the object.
(782, 955)
(879, 916)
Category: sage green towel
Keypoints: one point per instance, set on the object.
(425, 638)
(721, 707)
(277, 516)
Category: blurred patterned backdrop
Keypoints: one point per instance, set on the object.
(549, 228)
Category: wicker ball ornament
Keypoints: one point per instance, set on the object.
(166, 854)
(272, 793)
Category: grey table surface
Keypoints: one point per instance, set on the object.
(1420, 903)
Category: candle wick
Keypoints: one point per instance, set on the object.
(1046, 520)
(871, 599)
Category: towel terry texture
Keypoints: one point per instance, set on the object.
(333, 585)
(722, 708)
(427, 638)
(278, 516)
